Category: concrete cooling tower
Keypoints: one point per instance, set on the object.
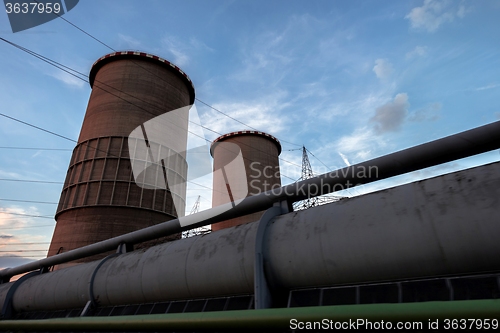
(100, 198)
(259, 152)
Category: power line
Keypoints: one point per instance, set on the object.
(18, 251)
(328, 168)
(36, 243)
(37, 127)
(72, 72)
(32, 243)
(96, 39)
(27, 215)
(307, 173)
(30, 148)
(317, 158)
(68, 69)
(75, 140)
(62, 18)
(17, 218)
(29, 201)
(109, 47)
(29, 227)
(29, 181)
(21, 257)
(225, 114)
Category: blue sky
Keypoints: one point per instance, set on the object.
(350, 80)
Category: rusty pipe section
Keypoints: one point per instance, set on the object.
(443, 226)
(460, 145)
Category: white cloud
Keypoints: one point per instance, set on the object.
(177, 49)
(359, 145)
(14, 223)
(490, 86)
(265, 60)
(262, 114)
(8, 174)
(428, 113)
(344, 158)
(130, 42)
(181, 51)
(75, 79)
(267, 56)
(199, 45)
(67, 78)
(357, 141)
(12, 217)
(498, 115)
(318, 102)
(462, 10)
(418, 51)
(433, 13)
(390, 116)
(362, 143)
(383, 69)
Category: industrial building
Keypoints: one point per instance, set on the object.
(418, 251)
(100, 198)
(259, 152)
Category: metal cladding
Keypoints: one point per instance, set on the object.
(443, 226)
(259, 153)
(100, 198)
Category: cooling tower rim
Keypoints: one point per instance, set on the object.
(56, 216)
(143, 56)
(242, 133)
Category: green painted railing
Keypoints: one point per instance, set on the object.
(356, 316)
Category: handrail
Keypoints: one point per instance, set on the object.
(418, 316)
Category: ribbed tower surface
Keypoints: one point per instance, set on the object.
(100, 198)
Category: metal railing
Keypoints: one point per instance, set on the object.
(416, 315)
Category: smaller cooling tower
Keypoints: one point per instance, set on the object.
(259, 152)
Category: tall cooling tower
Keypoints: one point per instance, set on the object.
(100, 198)
(261, 173)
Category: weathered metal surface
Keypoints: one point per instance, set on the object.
(446, 225)
(441, 226)
(457, 146)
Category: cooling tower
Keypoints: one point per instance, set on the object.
(258, 172)
(100, 198)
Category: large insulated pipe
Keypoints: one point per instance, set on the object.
(443, 226)
(464, 144)
(101, 198)
(258, 171)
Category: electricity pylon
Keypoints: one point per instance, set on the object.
(196, 231)
(307, 173)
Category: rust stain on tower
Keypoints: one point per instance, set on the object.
(260, 153)
(100, 199)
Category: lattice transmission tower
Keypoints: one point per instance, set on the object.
(196, 231)
(307, 173)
